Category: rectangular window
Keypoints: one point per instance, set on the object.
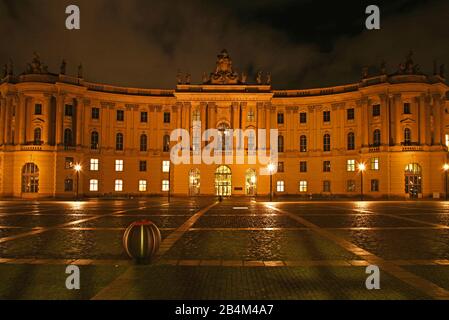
(166, 117)
(326, 116)
(68, 185)
(144, 117)
(142, 166)
(350, 165)
(376, 110)
(165, 185)
(93, 185)
(119, 165)
(165, 166)
(120, 115)
(350, 114)
(38, 109)
(250, 116)
(68, 110)
(280, 118)
(95, 113)
(280, 166)
(302, 186)
(447, 140)
(118, 185)
(142, 185)
(280, 186)
(350, 186)
(303, 166)
(69, 163)
(374, 185)
(375, 164)
(326, 166)
(407, 108)
(326, 186)
(94, 164)
(303, 117)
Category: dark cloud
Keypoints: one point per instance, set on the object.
(143, 43)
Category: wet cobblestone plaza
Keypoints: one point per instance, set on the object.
(235, 249)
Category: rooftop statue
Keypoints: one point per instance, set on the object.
(36, 66)
(224, 74)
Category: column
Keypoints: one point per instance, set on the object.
(2, 119)
(20, 119)
(385, 139)
(437, 107)
(59, 118)
(79, 112)
(397, 110)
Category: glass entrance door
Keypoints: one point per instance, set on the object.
(223, 181)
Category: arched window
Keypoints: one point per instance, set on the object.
(37, 136)
(280, 143)
(407, 137)
(143, 142)
(119, 142)
(166, 143)
(327, 142)
(351, 141)
(30, 178)
(68, 142)
(376, 138)
(94, 140)
(303, 143)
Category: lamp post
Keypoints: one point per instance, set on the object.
(361, 168)
(77, 170)
(169, 181)
(446, 169)
(271, 168)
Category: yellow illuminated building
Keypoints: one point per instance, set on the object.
(396, 125)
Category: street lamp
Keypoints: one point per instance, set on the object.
(445, 168)
(77, 168)
(361, 168)
(271, 169)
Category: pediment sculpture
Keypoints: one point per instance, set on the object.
(224, 73)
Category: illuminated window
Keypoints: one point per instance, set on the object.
(302, 186)
(69, 161)
(165, 166)
(118, 165)
(94, 164)
(280, 186)
(250, 116)
(142, 185)
(30, 178)
(350, 165)
(118, 185)
(447, 140)
(375, 164)
(350, 186)
(196, 116)
(93, 185)
(165, 185)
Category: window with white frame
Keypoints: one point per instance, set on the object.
(280, 186)
(118, 165)
(302, 186)
(118, 185)
(94, 164)
(142, 185)
(375, 164)
(165, 185)
(165, 166)
(93, 185)
(350, 165)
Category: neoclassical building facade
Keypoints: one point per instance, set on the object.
(396, 125)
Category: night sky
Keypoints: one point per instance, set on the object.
(303, 43)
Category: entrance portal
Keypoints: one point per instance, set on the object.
(251, 182)
(194, 182)
(223, 181)
(413, 180)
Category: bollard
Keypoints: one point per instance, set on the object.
(141, 241)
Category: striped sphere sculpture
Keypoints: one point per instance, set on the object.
(141, 241)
